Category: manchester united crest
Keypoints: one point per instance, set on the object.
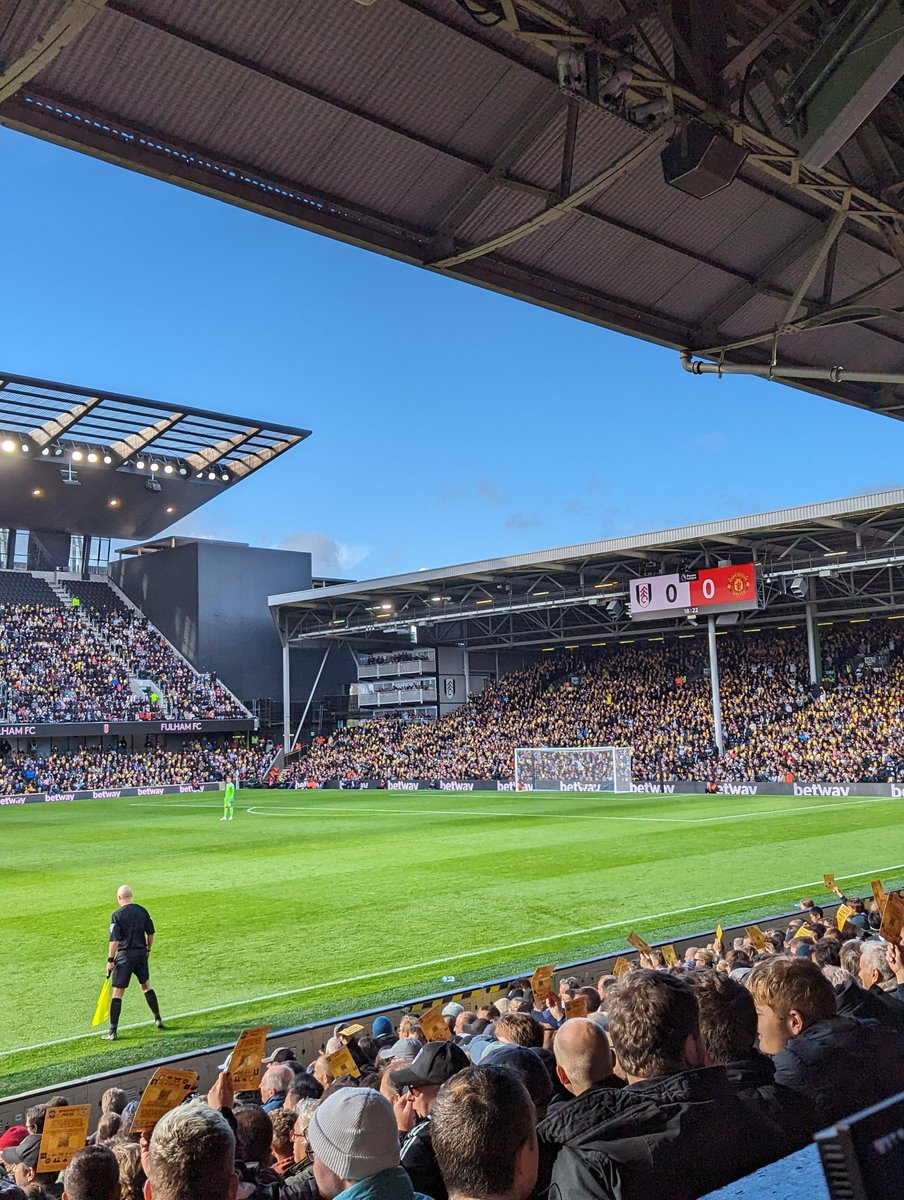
(738, 583)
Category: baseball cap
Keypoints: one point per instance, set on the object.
(437, 1062)
(407, 1048)
(26, 1152)
(354, 1133)
(453, 1008)
(13, 1136)
(282, 1054)
(528, 1064)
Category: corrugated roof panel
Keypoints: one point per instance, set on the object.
(695, 293)
(580, 250)
(502, 209)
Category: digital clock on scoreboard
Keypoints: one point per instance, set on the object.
(713, 590)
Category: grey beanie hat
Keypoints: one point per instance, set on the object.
(354, 1133)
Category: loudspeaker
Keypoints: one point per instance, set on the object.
(700, 161)
(798, 587)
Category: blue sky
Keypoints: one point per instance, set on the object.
(449, 424)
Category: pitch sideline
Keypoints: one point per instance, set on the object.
(315, 987)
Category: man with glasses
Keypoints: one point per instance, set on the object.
(298, 1178)
(436, 1063)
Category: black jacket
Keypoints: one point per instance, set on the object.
(870, 1005)
(793, 1114)
(419, 1160)
(843, 1066)
(679, 1136)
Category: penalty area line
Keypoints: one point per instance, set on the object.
(468, 954)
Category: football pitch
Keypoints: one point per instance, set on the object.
(314, 904)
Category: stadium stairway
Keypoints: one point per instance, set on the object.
(103, 593)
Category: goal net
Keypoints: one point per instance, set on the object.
(573, 769)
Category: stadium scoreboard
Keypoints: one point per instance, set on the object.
(689, 593)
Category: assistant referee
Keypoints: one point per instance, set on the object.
(131, 938)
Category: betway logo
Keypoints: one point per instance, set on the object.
(185, 787)
(456, 787)
(150, 791)
(402, 785)
(739, 789)
(821, 789)
(17, 730)
(896, 791)
(578, 787)
(4, 800)
(62, 798)
(648, 789)
(112, 795)
(513, 787)
(180, 726)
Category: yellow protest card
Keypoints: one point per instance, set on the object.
(340, 1062)
(620, 966)
(576, 1007)
(892, 920)
(433, 1025)
(719, 934)
(879, 894)
(541, 981)
(166, 1090)
(351, 1031)
(842, 914)
(755, 934)
(669, 955)
(829, 881)
(638, 943)
(245, 1060)
(805, 933)
(65, 1133)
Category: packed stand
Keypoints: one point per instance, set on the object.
(94, 768)
(655, 698)
(188, 695)
(669, 1081)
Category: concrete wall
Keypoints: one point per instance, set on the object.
(210, 600)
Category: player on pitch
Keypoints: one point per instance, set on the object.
(228, 801)
(131, 937)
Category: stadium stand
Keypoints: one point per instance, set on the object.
(681, 1079)
(655, 697)
(64, 663)
(90, 768)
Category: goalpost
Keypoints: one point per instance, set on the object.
(573, 768)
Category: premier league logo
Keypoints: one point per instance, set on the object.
(644, 594)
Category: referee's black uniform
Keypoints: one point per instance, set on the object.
(130, 928)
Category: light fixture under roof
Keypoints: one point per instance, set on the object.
(139, 463)
(211, 475)
(25, 447)
(108, 458)
(92, 456)
(114, 503)
(155, 466)
(224, 477)
(168, 469)
(76, 456)
(46, 451)
(7, 446)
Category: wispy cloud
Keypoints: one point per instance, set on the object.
(524, 520)
(489, 493)
(328, 556)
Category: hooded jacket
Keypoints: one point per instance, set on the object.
(843, 1066)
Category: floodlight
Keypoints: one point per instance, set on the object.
(108, 458)
(92, 456)
(46, 451)
(76, 456)
(139, 463)
(7, 446)
(168, 469)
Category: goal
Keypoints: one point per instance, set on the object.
(573, 769)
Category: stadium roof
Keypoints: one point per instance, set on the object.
(516, 144)
(849, 552)
(88, 461)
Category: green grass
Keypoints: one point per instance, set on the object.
(318, 903)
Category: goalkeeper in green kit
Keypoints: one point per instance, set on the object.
(228, 801)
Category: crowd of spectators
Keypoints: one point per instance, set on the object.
(54, 667)
(93, 768)
(77, 663)
(655, 697)
(187, 694)
(672, 1081)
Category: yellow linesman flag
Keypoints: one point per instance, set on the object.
(102, 1012)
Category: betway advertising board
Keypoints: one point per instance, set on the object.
(113, 793)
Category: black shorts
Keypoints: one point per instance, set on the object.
(127, 964)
